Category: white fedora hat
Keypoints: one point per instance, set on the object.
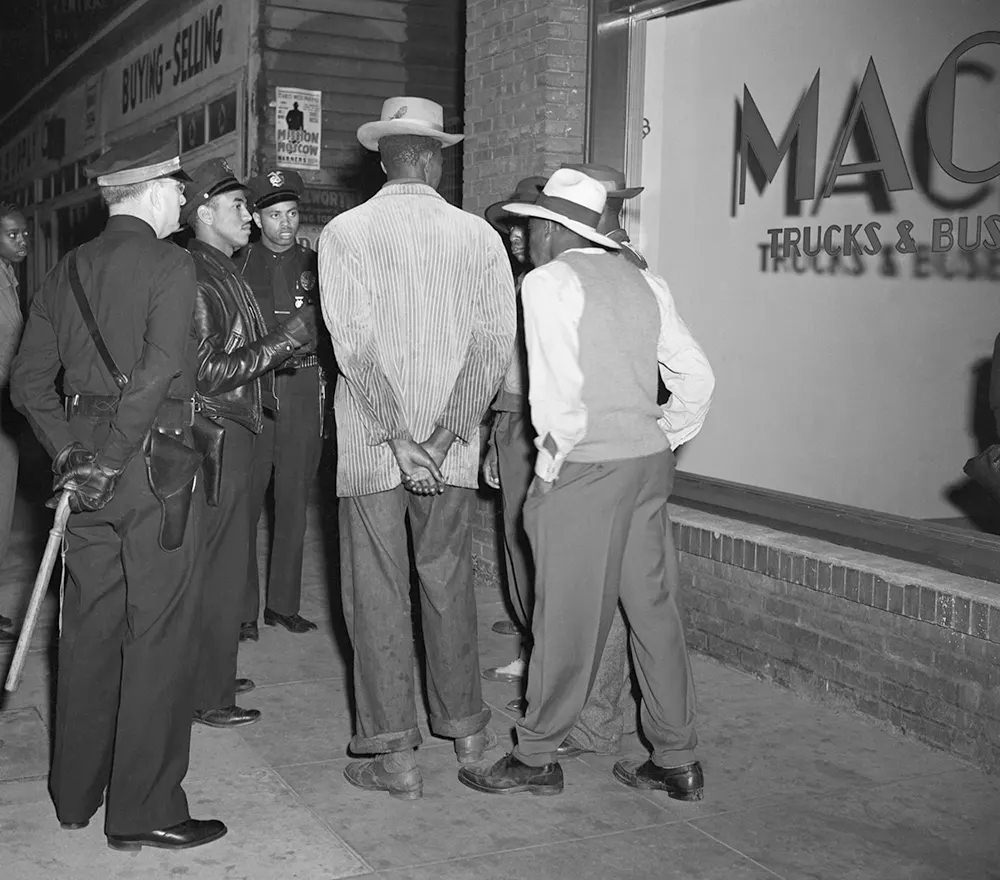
(408, 116)
(571, 199)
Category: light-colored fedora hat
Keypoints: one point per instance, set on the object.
(408, 116)
(612, 179)
(571, 199)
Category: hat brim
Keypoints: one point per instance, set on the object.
(529, 210)
(182, 176)
(499, 217)
(285, 195)
(370, 133)
(628, 193)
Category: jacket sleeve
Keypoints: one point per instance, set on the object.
(219, 370)
(490, 348)
(34, 370)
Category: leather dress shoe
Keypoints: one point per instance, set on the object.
(74, 826)
(684, 783)
(249, 631)
(570, 748)
(227, 716)
(407, 785)
(509, 775)
(469, 749)
(183, 835)
(505, 628)
(243, 685)
(295, 623)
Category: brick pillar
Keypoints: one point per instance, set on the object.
(525, 92)
(525, 98)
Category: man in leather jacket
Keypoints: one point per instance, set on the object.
(236, 360)
(124, 689)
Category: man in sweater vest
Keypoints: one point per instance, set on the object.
(596, 514)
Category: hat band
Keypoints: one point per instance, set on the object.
(140, 175)
(224, 186)
(569, 209)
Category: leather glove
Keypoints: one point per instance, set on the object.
(91, 484)
(70, 456)
(302, 330)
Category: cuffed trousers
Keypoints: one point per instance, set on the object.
(289, 447)
(602, 533)
(375, 585)
(226, 535)
(124, 695)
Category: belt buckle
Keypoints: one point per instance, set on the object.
(71, 404)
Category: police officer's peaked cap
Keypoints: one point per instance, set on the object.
(212, 178)
(273, 186)
(147, 157)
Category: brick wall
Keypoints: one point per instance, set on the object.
(910, 646)
(525, 98)
(525, 91)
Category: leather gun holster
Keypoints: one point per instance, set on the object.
(209, 439)
(172, 468)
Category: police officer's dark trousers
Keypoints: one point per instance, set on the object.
(226, 533)
(124, 694)
(289, 447)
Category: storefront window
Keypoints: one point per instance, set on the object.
(822, 193)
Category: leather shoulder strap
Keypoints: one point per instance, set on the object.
(121, 380)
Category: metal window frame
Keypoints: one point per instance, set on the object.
(612, 135)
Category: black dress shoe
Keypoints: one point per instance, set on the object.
(569, 748)
(227, 716)
(295, 623)
(684, 783)
(518, 705)
(505, 628)
(74, 826)
(509, 775)
(243, 685)
(183, 835)
(249, 632)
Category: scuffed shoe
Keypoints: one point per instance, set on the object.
(684, 783)
(513, 671)
(509, 775)
(294, 623)
(469, 749)
(372, 776)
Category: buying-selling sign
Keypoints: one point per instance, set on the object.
(205, 43)
(298, 128)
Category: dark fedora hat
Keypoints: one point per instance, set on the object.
(612, 179)
(527, 190)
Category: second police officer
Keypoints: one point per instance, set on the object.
(282, 273)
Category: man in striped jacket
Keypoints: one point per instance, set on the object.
(419, 301)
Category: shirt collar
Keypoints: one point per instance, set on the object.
(9, 273)
(198, 245)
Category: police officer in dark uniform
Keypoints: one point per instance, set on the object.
(122, 445)
(237, 354)
(283, 276)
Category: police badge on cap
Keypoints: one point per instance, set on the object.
(274, 185)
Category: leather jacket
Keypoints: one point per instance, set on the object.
(234, 347)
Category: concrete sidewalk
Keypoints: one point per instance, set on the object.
(793, 790)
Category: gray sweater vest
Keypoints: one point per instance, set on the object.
(619, 332)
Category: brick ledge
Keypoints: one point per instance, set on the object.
(948, 600)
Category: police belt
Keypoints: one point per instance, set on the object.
(172, 415)
(299, 363)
